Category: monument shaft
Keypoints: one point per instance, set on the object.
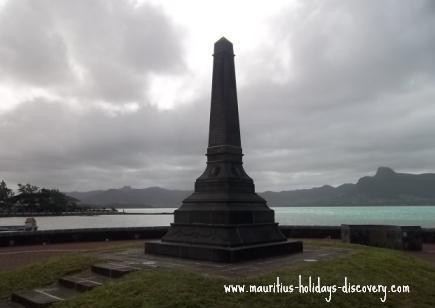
(224, 113)
(224, 219)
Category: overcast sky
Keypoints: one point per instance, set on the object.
(105, 93)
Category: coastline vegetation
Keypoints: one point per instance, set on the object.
(32, 200)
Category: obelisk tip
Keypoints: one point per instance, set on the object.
(223, 45)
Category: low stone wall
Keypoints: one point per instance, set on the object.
(80, 235)
(102, 234)
(428, 235)
(311, 231)
(387, 236)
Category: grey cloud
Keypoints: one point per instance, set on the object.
(359, 74)
(113, 45)
(349, 52)
(70, 148)
(30, 51)
(359, 95)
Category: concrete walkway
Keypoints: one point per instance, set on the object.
(136, 257)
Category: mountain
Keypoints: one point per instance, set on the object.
(389, 184)
(132, 198)
(386, 187)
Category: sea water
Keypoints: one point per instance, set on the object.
(323, 216)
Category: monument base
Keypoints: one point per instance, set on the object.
(222, 254)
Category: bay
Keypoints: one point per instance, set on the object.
(324, 216)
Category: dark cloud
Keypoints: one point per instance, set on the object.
(340, 88)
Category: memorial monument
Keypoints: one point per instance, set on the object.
(224, 220)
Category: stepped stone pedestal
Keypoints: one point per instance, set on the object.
(224, 220)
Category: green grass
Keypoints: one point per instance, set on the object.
(177, 288)
(46, 272)
(42, 273)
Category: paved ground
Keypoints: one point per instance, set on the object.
(13, 257)
(136, 257)
(428, 253)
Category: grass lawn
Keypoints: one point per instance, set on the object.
(42, 273)
(177, 288)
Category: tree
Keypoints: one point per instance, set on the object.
(31, 198)
(5, 194)
(53, 200)
(27, 189)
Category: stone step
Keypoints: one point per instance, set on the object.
(34, 298)
(68, 286)
(113, 270)
(9, 304)
(90, 275)
(42, 297)
(79, 283)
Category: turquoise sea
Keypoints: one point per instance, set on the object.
(333, 216)
(327, 216)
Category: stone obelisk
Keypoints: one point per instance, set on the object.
(224, 219)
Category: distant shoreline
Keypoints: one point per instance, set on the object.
(166, 211)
